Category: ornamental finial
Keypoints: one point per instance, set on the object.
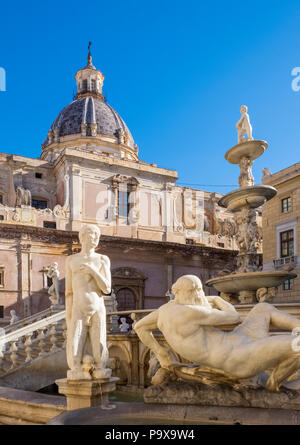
(89, 55)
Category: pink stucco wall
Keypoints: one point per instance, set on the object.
(95, 201)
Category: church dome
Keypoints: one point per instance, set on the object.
(86, 111)
(91, 118)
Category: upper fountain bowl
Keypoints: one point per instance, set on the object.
(250, 149)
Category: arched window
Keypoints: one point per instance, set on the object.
(84, 85)
(126, 299)
(93, 85)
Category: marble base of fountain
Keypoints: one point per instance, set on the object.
(184, 393)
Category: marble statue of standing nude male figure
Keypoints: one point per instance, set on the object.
(88, 278)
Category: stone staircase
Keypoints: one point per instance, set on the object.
(31, 348)
(29, 320)
(32, 351)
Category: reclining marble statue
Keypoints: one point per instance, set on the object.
(88, 278)
(190, 323)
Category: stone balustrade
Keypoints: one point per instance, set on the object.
(31, 341)
(113, 317)
(29, 320)
(44, 333)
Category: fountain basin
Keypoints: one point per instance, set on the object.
(250, 281)
(251, 197)
(248, 149)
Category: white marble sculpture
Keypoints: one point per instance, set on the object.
(190, 327)
(124, 326)
(243, 126)
(88, 279)
(13, 317)
(23, 197)
(53, 290)
(246, 178)
(266, 172)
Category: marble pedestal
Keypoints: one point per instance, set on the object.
(86, 393)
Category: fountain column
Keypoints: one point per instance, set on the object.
(244, 202)
(248, 282)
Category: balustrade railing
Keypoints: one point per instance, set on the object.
(37, 339)
(49, 334)
(46, 335)
(28, 320)
(280, 262)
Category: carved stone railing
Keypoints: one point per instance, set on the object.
(48, 335)
(280, 262)
(113, 317)
(44, 336)
(29, 320)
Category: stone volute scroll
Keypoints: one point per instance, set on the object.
(63, 211)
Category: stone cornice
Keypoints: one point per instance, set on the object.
(21, 161)
(30, 233)
(80, 155)
(284, 175)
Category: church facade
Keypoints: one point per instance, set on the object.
(90, 172)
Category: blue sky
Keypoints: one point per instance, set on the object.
(177, 72)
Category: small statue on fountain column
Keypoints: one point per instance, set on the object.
(243, 126)
(53, 291)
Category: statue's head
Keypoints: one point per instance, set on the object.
(123, 320)
(54, 265)
(89, 234)
(243, 109)
(188, 290)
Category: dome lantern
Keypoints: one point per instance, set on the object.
(89, 80)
